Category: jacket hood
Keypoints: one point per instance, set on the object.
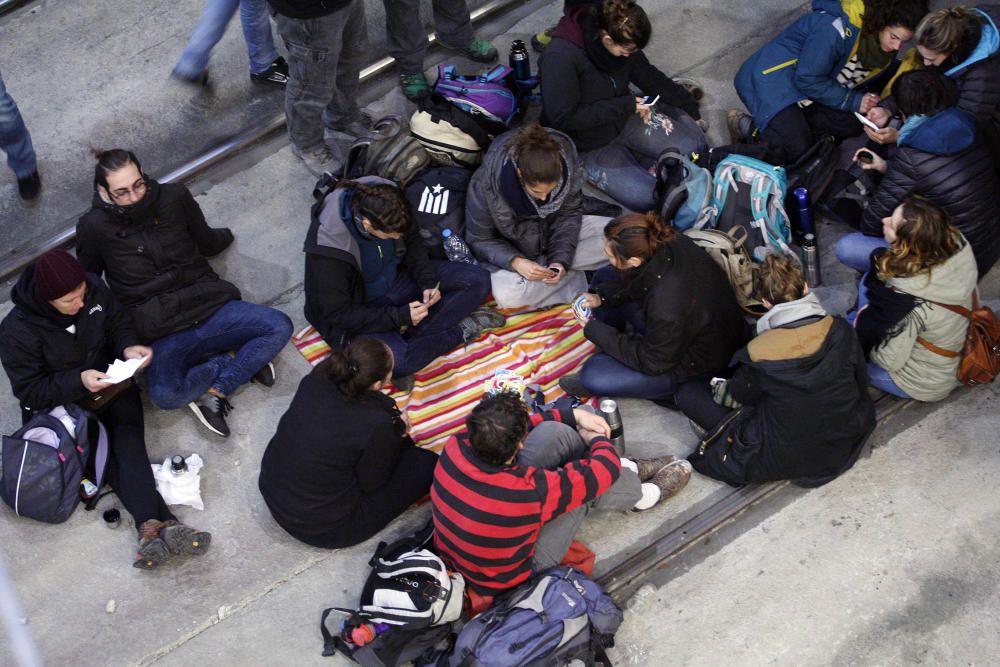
(950, 282)
(33, 308)
(791, 311)
(329, 234)
(946, 133)
(989, 43)
(144, 209)
(852, 10)
(500, 151)
(570, 27)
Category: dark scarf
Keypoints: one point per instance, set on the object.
(885, 314)
(143, 210)
(870, 52)
(594, 48)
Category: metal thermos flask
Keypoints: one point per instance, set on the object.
(612, 415)
(810, 260)
(519, 60)
(178, 466)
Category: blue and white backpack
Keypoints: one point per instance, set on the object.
(750, 193)
(684, 192)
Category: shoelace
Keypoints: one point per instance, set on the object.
(222, 406)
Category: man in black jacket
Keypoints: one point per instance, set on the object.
(150, 242)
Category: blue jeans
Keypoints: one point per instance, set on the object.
(256, 22)
(880, 379)
(14, 138)
(621, 169)
(188, 363)
(463, 289)
(855, 250)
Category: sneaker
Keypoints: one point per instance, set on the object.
(740, 125)
(414, 86)
(198, 83)
(357, 126)
(478, 49)
(478, 321)
(692, 86)
(152, 550)
(542, 39)
(265, 376)
(649, 467)
(671, 478)
(318, 161)
(573, 385)
(211, 410)
(275, 75)
(30, 186)
(403, 383)
(183, 540)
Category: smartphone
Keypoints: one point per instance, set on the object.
(866, 157)
(649, 100)
(864, 121)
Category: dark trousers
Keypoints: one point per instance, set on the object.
(694, 398)
(406, 40)
(795, 129)
(410, 481)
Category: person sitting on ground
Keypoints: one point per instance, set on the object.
(803, 386)
(368, 274)
(587, 73)
(150, 240)
(336, 487)
(808, 81)
(940, 158)
(686, 323)
(65, 327)
(913, 342)
(510, 493)
(524, 221)
(964, 44)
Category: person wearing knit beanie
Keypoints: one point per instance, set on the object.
(57, 273)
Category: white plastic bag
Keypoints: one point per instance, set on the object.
(182, 489)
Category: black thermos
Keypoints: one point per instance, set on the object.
(519, 60)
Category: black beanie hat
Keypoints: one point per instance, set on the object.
(57, 273)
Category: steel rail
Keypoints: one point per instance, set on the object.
(11, 5)
(227, 148)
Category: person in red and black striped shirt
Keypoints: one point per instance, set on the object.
(509, 494)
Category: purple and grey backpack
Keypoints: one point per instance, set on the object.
(486, 95)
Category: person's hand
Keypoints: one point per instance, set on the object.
(590, 425)
(868, 100)
(878, 115)
(645, 111)
(137, 351)
(878, 164)
(886, 135)
(431, 296)
(530, 270)
(418, 311)
(405, 417)
(593, 300)
(558, 271)
(94, 381)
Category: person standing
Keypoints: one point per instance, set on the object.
(15, 141)
(327, 42)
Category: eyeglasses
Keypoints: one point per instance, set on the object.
(138, 188)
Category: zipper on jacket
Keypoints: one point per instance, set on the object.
(787, 63)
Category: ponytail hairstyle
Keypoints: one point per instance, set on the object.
(538, 155)
(953, 32)
(637, 235)
(780, 279)
(881, 14)
(625, 22)
(925, 239)
(384, 205)
(112, 160)
(355, 367)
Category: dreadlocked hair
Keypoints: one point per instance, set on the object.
(925, 239)
(625, 22)
(384, 205)
(637, 235)
(881, 14)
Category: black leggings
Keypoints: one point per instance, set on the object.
(128, 471)
(694, 398)
(795, 129)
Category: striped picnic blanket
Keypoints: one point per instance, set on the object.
(540, 346)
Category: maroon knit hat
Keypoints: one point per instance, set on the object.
(57, 273)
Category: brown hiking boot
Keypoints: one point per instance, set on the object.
(152, 550)
(184, 540)
(649, 467)
(671, 478)
(740, 126)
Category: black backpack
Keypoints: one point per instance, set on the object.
(43, 464)
(437, 199)
(387, 150)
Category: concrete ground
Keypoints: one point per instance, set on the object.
(828, 590)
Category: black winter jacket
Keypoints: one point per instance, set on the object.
(155, 262)
(43, 360)
(979, 90)
(806, 411)
(336, 302)
(693, 323)
(585, 90)
(307, 9)
(942, 160)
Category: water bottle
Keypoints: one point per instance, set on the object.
(806, 225)
(612, 415)
(455, 248)
(810, 260)
(178, 466)
(519, 60)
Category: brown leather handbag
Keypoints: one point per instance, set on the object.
(980, 356)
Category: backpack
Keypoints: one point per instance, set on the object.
(447, 144)
(683, 191)
(485, 95)
(750, 194)
(813, 171)
(559, 616)
(387, 150)
(437, 198)
(44, 464)
(412, 597)
(729, 251)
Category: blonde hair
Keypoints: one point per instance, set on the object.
(780, 279)
(925, 239)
